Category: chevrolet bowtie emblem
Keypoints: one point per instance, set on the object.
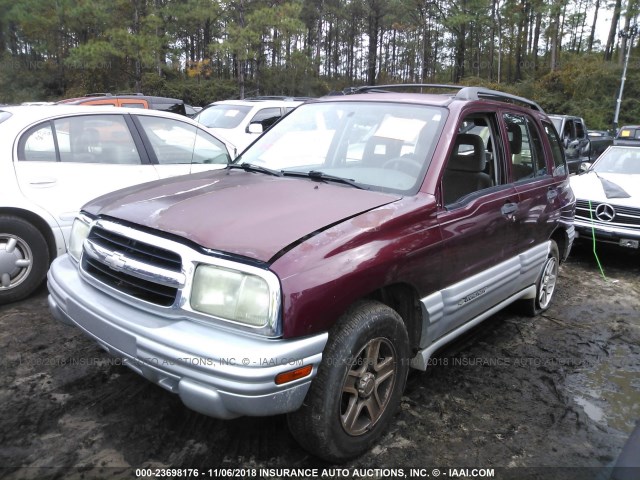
(116, 261)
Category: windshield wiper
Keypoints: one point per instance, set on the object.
(249, 167)
(316, 175)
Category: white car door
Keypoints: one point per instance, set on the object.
(61, 164)
(180, 148)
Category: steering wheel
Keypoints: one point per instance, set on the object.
(406, 163)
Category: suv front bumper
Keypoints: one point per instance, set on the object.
(215, 371)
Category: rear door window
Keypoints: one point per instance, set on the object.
(559, 167)
(80, 139)
(526, 149)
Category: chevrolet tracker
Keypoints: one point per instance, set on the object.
(356, 237)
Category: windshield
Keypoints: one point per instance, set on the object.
(382, 146)
(625, 160)
(222, 116)
(557, 122)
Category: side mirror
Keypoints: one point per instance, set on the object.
(585, 166)
(255, 128)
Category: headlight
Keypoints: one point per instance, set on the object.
(79, 232)
(234, 295)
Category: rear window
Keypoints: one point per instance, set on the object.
(629, 133)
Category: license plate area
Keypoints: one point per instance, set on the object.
(104, 332)
(628, 243)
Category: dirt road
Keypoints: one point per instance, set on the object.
(560, 390)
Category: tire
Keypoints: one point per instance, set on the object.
(352, 399)
(545, 286)
(24, 258)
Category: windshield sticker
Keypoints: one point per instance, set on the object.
(400, 128)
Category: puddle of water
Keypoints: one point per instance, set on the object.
(609, 392)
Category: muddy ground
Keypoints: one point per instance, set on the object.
(560, 390)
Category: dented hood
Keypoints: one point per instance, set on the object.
(244, 213)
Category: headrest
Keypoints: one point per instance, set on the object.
(515, 138)
(468, 154)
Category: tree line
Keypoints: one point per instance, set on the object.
(205, 50)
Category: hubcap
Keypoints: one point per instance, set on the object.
(368, 386)
(548, 282)
(15, 261)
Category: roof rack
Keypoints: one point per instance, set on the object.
(464, 93)
(397, 86)
(277, 97)
(109, 94)
(478, 93)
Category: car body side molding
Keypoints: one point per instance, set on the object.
(454, 310)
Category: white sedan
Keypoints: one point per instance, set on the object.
(54, 159)
(608, 198)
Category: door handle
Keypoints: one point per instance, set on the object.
(509, 208)
(42, 181)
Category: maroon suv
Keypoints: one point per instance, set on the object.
(347, 244)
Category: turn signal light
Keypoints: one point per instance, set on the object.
(292, 375)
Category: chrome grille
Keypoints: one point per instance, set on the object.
(130, 266)
(624, 216)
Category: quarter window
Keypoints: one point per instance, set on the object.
(38, 145)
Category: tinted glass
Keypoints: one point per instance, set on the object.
(168, 107)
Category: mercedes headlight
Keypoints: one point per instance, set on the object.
(79, 232)
(236, 296)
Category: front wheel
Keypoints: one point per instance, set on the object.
(546, 286)
(358, 386)
(24, 258)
